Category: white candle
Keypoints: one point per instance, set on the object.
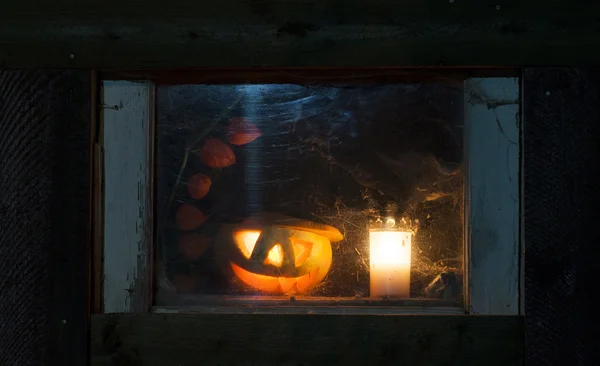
(390, 252)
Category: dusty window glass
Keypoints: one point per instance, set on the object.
(346, 193)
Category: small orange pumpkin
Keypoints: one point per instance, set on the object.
(277, 254)
(216, 154)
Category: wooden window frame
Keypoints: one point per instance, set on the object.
(123, 272)
(175, 34)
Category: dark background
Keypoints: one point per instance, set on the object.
(561, 155)
(44, 217)
(44, 211)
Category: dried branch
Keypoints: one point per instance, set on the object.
(188, 150)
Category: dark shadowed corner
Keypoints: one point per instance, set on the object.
(561, 131)
(44, 211)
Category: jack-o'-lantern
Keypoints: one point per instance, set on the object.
(277, 254)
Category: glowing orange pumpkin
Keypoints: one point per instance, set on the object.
(276, 254)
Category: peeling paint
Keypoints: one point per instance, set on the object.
(127, 232)
(477, 95)
(492, 114)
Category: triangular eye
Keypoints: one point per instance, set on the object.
(275, 256)
(245, 240)
(302, 250)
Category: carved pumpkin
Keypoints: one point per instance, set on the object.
(277, 254)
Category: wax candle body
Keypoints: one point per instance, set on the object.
(390, 253)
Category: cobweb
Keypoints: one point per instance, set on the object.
(331, 154)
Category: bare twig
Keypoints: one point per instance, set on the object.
(186, 155)
(189, 148)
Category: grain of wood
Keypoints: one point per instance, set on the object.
(179, 339)
(310, 76)
(128, 120)
(97, 197)
(493, 195)
(561, 153)
(44, 217)
(239, 33)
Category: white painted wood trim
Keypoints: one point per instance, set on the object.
(128, 124)
(492, 245)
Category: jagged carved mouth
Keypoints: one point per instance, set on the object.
(271, 284)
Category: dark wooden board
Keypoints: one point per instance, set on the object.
(241, 33)
(561, 150)
(180, 339)
(44, 217)
(311, 76)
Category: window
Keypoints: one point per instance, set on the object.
(361, 193)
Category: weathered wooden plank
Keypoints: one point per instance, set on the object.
(522, 184)
(492, 126)
(97, 273)
(247, 304)
(561, 155)
(315, 309)
(44, 217)
(242, 33)
(304, 76)
(127, 115)
(178, 339)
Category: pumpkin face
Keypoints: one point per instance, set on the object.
(277, 257)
